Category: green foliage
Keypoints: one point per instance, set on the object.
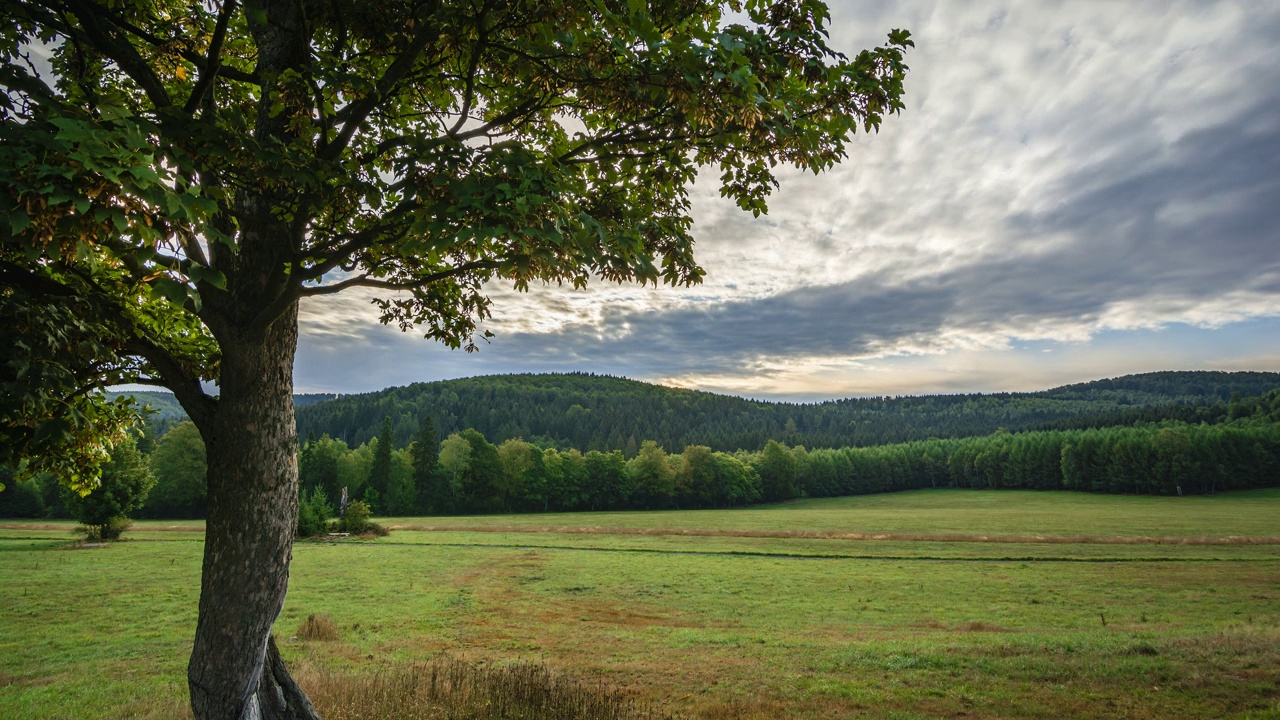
(314, 511)
(401, 497)
(479, 483)
(1160, 460)
(123, 487)
(427, 479)
(21, 499)
(651, 476)
(779, 472)
(357, 520)
(179, 466)
(380, 470)
(319, 465)
(370, 499)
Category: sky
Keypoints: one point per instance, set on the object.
(1074, 191)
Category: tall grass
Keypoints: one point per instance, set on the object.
(450, 689)
(318, 627)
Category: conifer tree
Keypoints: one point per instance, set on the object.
(426, 458)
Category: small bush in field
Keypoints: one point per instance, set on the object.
(356, 520)
(318, 627)
(110, 529)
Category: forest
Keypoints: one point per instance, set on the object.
(1232, 444)
(591, 412)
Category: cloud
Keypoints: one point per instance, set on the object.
(1061, 173)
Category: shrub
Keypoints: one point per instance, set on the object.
(314, 512)
(110, 529)
(356, 520)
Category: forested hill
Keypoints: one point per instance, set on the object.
(592, 412)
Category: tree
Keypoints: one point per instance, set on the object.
(400, 499)
(319, 466)
(122, 488)
(455, 461)
(516, 457)
(778, 470)
(652, 476)
(479, 485)
(189, 172)
(380, 471)
(426, 455)
(179, 467)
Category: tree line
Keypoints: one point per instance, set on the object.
(589, 412)
(465, 473)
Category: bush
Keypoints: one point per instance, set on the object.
(356, 520)
(109, 529)
(314, 512)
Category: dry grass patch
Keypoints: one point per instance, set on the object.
(318, 627)
(449, 689)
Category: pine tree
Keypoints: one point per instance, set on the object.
(426, 458)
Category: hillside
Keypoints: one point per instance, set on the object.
(600, 412)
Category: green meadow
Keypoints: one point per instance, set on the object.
(927, 604)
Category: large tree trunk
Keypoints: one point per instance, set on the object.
(235, 673)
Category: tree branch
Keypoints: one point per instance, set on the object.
(366, 281)
(353, 115)
(123, 53)
(468, 94)
(192, 57)
(186, 387)
(213, 63)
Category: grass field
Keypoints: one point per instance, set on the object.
(912, 605)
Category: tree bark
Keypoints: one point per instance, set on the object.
(235, 672)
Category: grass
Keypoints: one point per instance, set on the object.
(941, 512)
(757, 618)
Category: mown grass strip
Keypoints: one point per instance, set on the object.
(832, 535)
(813, 556)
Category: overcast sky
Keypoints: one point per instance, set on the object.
(1074, 191)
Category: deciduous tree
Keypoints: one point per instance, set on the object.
(180, 176)
(179, 467)
(122, 488)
